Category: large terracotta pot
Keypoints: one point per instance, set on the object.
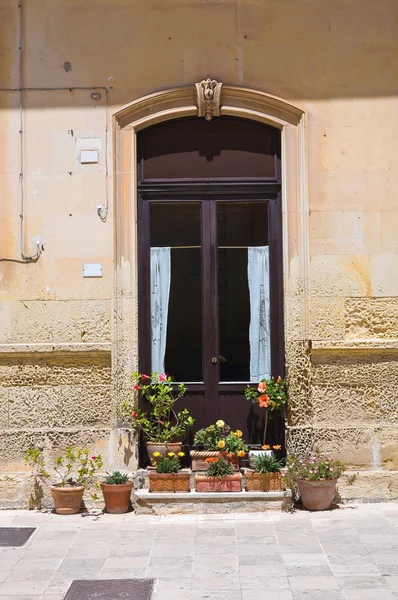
(117, 497)
(163, 448)
(228, 483)
(317, 495)
(169, 482)
(67, 499)
(263, 482)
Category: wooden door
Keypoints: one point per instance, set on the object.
(207, 225)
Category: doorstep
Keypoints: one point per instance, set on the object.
(161, 503)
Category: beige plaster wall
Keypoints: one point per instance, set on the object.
(337, 62)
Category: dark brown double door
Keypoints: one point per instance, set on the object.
(201, 244)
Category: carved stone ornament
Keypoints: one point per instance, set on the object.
(209, 98)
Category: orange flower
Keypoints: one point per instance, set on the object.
(211, 459)
(262, 387)
(278, 447)
(241, 453)
(279, 379)
(263, 401)
(266, 447)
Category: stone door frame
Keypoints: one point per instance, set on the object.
(181, 102)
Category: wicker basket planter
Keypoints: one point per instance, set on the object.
(169, 482)
(163, 448)
(198, 458)
(228, 483)
(263, 482)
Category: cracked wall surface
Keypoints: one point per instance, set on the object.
(68, 344)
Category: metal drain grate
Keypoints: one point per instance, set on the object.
(15, 536)
(110, 589)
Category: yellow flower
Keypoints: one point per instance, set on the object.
(278, 447)
(241, 453)
(221, 444)
(220, 423)
(156, 454)
(238, 433)
(266, 447)
(170, 454)
(181, 454)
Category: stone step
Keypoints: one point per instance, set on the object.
(162, 503)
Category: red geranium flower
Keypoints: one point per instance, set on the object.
(134, 415)
(93, 458)
(143, 376)
(163, 377)
(137, 387)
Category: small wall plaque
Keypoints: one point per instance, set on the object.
(92, 270)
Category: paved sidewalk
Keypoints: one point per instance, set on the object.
(349, 553)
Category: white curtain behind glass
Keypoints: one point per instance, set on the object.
(259, 331)
(160, 293)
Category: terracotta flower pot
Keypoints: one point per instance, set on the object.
(263, 482)
(117, 497)
(169, 482)
(317, 495)
(198, 458)
(67, 499)
(228, 483)
(162, 448)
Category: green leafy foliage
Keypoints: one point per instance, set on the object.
(116, 478)
(316, 466)
(219, 466)
(270, 394)
(220, 437)
(161, 423)
(267, 464)
(167, 464)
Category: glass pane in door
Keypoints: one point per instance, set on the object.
(243, 291)
(176, 290)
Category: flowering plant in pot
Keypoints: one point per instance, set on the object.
(75, 470)
(219, 476)
(266, 476)
(162, 426)
(167, 476)
(116, 490)
(270, 394)
(316, 478)
(216, 438)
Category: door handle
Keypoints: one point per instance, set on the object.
(214, 360)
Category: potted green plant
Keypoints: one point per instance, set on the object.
(213, 439)
(75, 470)
(266, 475)
(162, 426)
(270, 394)
(167, 476)
(116, 490)
(316, 478)
(220, 476)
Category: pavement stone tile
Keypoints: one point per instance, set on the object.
(355, 570)
(171, 595)
(130, 562)
(308, 570)
(175, 583)
(164, 550)
(259, 559)
(362, 583)
(223, 579)
(392, 582)
(214, 595)
(304, 559)
(35, 575)
(261, 581)
(270, 595)
(68, 564)
(97, 551)
(131, 573)
(247, 549)
(220, 560)
(368, 595)
(292, 548)
(318, 595)
(22, 588)
(313, 583)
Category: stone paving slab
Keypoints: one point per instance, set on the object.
(345, 554)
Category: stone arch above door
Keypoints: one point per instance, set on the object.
(235, 102)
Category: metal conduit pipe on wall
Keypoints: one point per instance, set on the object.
(102, 209)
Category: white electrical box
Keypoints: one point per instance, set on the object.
(92, 270)
(89, 157)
